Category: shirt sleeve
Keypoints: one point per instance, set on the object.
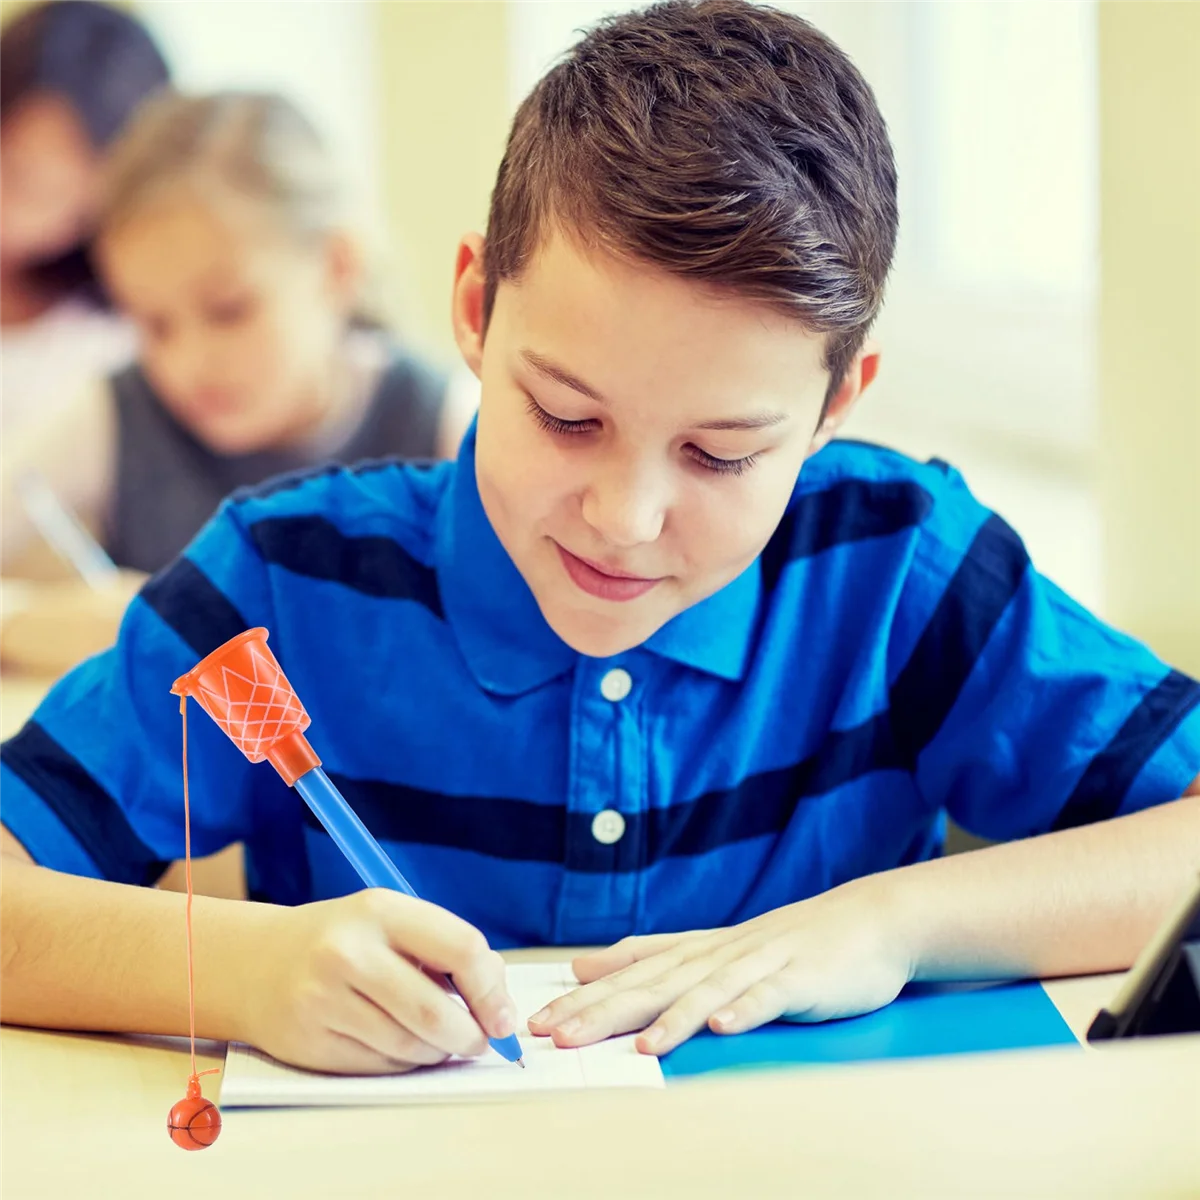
(1018, 711)
(92, 785)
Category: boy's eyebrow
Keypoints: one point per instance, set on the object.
(751, 421)
(551, 370)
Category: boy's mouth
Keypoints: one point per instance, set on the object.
(601, 581)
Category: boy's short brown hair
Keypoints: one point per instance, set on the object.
(722, 141)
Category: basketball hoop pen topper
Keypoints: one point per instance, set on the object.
(243, 688)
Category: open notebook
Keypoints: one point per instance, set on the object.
(255, 1080)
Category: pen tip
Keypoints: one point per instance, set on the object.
(521, 1063)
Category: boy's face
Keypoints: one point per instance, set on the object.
(639, 435)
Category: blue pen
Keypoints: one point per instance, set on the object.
(369, 859)
(242, 687)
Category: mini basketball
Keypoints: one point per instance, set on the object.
(194, 1123)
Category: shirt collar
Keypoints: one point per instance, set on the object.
(507, 644)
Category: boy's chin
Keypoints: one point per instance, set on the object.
(601, 637)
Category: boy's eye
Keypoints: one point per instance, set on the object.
(553, 424)
(710, 462)
(722, 466)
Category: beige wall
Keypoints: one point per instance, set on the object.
(444, 89)
(1150, 321)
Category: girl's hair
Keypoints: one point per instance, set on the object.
(102, 62)
(254, 145)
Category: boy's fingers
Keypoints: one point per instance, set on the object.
(417, 1004)
(369, 1026)
(483, 985)
(766, 1001)
(598, 963)
(423, 931)
(714, 994)
(342, 1054)
(608, 1009)
(439, 940)
(585, 998)
(660, 975)
(624, 1013)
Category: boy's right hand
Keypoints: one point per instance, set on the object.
(341, 988)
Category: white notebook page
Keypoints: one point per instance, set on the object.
(253, 1080)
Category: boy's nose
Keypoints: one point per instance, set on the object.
(626, 510)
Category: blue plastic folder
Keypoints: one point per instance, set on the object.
(925, 1019)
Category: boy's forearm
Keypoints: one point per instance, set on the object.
(84, 954)
(1075, 902)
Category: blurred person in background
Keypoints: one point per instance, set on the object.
(72, 74)
(223, 236)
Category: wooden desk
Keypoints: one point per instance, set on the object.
(86, 1116)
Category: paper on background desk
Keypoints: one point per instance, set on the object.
(255, 1080)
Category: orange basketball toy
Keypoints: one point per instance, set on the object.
(242, 687)
(194, 1122)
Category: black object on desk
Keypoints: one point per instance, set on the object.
(1161, 993)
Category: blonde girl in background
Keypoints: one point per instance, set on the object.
(223, 237)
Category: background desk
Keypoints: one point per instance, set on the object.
(19, 696)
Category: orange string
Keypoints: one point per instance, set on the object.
(194, 1078)
(187, 870)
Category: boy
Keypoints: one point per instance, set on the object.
(625, 668)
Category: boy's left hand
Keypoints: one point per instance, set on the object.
(834, 955)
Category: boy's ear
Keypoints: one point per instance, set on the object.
(467, 301)
(859, 376)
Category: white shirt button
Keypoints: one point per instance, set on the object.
(608, 827)
(615, 686)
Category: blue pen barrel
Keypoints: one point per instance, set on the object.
(367, 856)
(349, 834)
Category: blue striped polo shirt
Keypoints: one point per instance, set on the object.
(891, 657)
